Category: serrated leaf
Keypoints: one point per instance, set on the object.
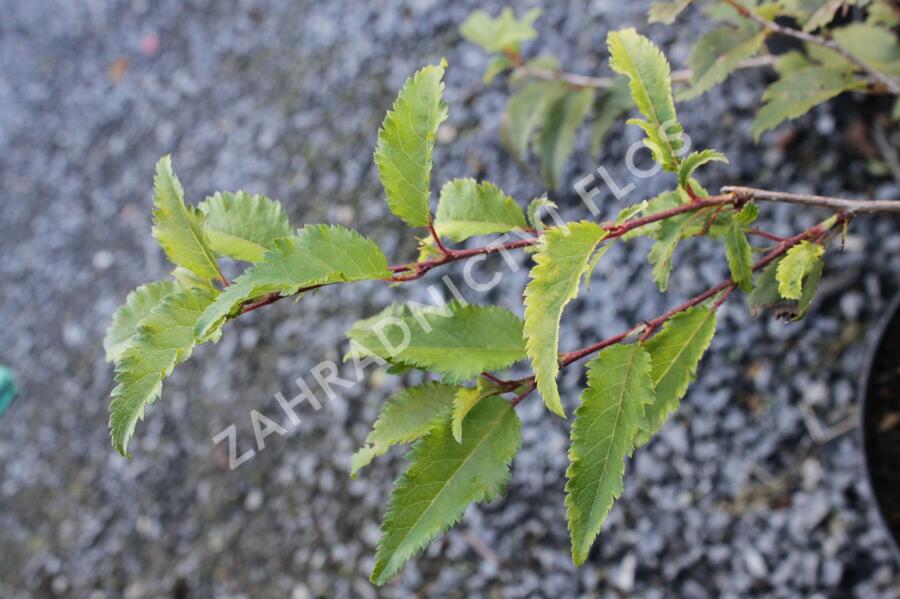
(810, 285)
(738, 252)
(178, 227)
(718, 54)
(164, 339)
(875, 46)
(525, 114)
(560, 262)
(793, 268)
(405, 417)
(315, 255)
(406, 139)
(671, 231)
(534, 209)
(675, 353)
(501, 34)
(648, 70)
(467, 208)
(465, 399)
(695, 160)
(797, 91)
(666, 12)
(443, 478)
(129, 316)
(664, 201)
(243, 226)
(619, 389)
(824, 14)
(765, 295)
(459, 342)
(189, 280)
(556, 139)
(610, 106)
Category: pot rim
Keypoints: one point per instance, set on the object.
(874, 344)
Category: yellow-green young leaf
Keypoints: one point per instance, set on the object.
(666, 12)
(315, 255)
(675, 353)
(881, 13)
(503, 33)
(465, 399)
(164, 339)
(609, 107)
(404, 418)
(738, 252)
(178, 227)
(619, 389)
(243, 226)
(671, 231)
(406, 142)
(467, 208)
(799, 90)
(765, 295)
(189, 280)
(695, 160)
(498, 64)
(525, 114)
(556, 140)
(664, 201)
(560, 262)
(824, 14)
(799, 261)
(458, 341)
(875, 46)
(129, 316)
(634, 55)
(443, 478)
(534, 211)
(718, 54)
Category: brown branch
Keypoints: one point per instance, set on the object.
(856, 206)
(586, 81)
(888, 82)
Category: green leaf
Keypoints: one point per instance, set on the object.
(810, 285)
(315, 255)
(594, 261)
(189, 280)
(609, 107)
(467, 209)
(666, 12)
(875, 46)
(443, 478)
(765, 295)
(129, 316)
(405, 417)
(718, 54)
(560, 262)
(675, 353)
(498, 64)
(824, 14)
(406, 139)
(534, 209)
(501, 34)
(556, 139)
(466, 398)
(619, 388)
(798, 91)
(664, 201)
(178, 227)
(634, 55)
(881, 13)
(671, 232)
(164, 339)
(525, 114)
(243, 226)
(695, 160)
(737, 249)
(793, 268)
(457, 341)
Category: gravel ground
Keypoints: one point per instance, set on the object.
(753, 489)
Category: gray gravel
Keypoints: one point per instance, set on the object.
(751, 490)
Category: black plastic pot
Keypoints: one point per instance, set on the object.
(880, 422)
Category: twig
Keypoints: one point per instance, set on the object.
(889, 83)
(586, 81)
(815, 200)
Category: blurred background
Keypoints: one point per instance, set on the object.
(754, 488)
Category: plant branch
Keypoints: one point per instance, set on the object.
(888, 82)
(586, 81)
(814, 200)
